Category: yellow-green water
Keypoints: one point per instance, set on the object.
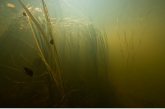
(124, 69)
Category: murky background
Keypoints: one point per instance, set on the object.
(122, 67)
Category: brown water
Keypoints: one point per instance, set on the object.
(135, 58)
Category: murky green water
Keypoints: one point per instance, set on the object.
(110, 53)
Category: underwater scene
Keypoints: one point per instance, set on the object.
(82, 53)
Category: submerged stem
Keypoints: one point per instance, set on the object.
(55, 59)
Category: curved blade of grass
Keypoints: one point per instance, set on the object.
(51, 34)
(49, 26)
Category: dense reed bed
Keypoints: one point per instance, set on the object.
(68, 59)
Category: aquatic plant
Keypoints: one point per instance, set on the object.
(74, 53)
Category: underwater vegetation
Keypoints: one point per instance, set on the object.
(59, 62)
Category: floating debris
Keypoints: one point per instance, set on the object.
(51, 41)
(12, 7)
(24, 13)
(37, 9)
(28, 71)
(29, 8)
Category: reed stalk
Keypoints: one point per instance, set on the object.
(52, 37)
(57, 78)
